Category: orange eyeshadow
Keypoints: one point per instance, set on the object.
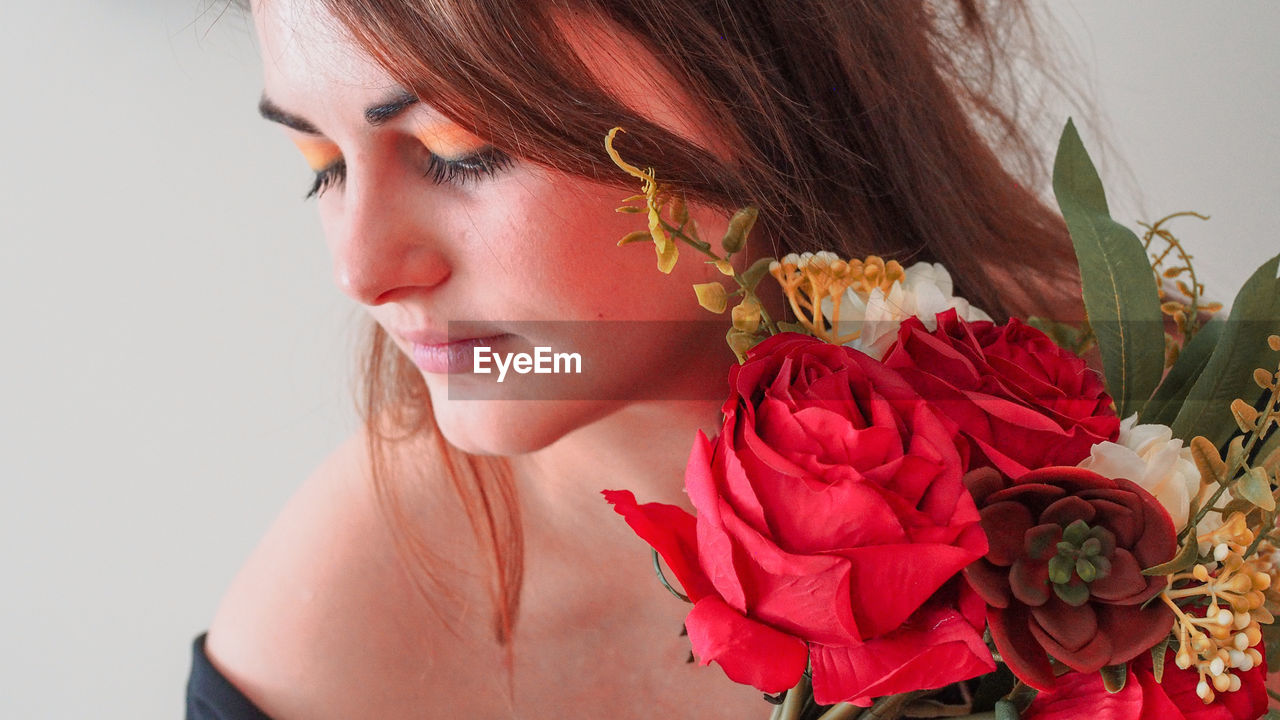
(318, 153)
(448, 140)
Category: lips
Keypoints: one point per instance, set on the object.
(450, 357)
(458, 332)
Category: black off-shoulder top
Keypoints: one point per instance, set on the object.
(210, 696)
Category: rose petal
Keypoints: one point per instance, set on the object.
(938, 647)
(806, 595)
(909, 574)
(1082, 695)
(671, 531)
(735, 486)
(716, 552)
(749, 652)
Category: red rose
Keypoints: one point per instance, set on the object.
(1025, 402)
(1063, 576)
(1173, 698)
(832, 519)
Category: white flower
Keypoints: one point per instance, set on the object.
(924, 291)
(1151, 457)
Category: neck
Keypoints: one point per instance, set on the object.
(642, 447)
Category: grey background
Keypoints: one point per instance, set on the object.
(175, 359)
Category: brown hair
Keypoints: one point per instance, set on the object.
(890, 127)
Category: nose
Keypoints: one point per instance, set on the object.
(382, 235)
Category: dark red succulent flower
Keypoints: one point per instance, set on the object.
(1063, 574)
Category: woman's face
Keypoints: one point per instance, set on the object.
(504, 247)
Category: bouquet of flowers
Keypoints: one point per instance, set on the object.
(912, 511)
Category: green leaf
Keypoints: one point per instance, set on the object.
(1271, 643)
(752, 276)
(1242, 347)
(1185, 558)
(1165, 404)
(1071, 594)
(1255, 487)
(1157, 657)
(1120, 294)
(1114, 677)
(1064, 335)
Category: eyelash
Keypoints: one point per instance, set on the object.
(475, 166)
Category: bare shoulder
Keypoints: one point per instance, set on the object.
(323, 620)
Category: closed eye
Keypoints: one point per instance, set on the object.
(473, 167)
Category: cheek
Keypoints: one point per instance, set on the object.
(563, 240)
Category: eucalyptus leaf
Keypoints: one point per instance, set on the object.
(1120, 295)
(712, 296)
(1208, 461)
(1235, 452)
(1186, 557)
(1241, 349)
(752, 276)
(1255, 487)
(1169, 397)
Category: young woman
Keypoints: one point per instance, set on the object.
(455, 557)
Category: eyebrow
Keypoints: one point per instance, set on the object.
(376, 115)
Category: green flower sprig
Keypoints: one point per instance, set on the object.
(751, 322)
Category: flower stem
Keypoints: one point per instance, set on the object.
(1021, 696)
(842, 711)
(705, 248)
(1235, 467)
(890, 707)
(793, 703)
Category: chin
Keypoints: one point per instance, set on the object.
(512, 427)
